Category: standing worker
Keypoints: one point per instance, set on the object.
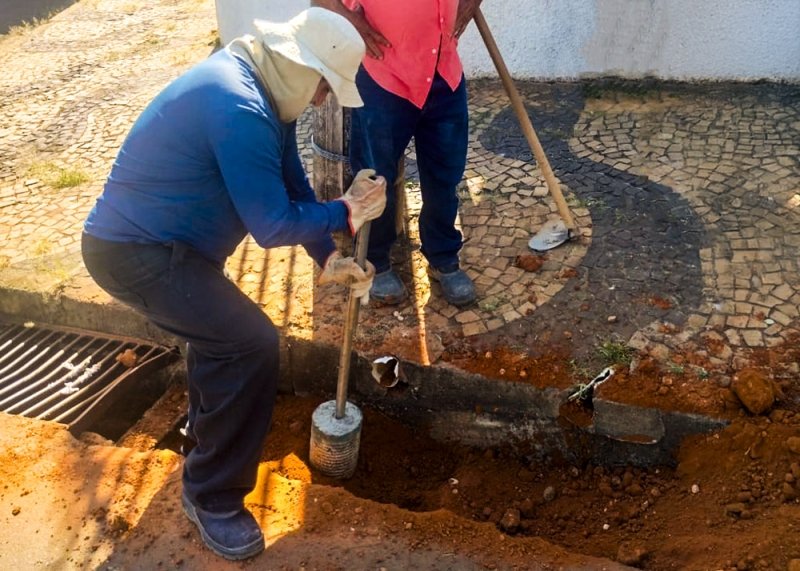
(212, 158)
(413, 85)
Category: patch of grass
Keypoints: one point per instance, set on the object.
(579, 370)
(615, 353)
(55, 176)
(675, 368)
(42, 248)
(490, 304)
(28, 25)
(68, 178)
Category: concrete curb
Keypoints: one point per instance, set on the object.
(452, 404)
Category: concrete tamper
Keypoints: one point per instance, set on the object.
(336, 424)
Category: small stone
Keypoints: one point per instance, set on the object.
(510, 520)
(409, 525)
(735, 508)
(632, 555)
(612, 319)
(549, 494)
(789, 493)
(695, 489)
(16, 510)
(793, 443)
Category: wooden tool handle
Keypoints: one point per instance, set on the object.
(522, 115)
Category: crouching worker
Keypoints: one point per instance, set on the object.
(212, 158)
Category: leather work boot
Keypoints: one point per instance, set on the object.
(388, 288)
(457, 286)
(233, 535)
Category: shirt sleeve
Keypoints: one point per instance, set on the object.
(249, 147)
(299, 189)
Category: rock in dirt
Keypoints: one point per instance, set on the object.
(633, 555)
(793, 443)
(510, 521)
(735, 509)
(754, 389)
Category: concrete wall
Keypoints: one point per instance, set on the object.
(560, 39)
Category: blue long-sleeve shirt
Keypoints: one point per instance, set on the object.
(208, 161)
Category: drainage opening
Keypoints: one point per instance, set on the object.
(86, 380)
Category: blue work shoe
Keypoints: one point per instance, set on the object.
(457, 286)
(233, 535)
(388, 288)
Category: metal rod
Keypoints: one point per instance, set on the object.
(351, 319)
(524, 120)
(41, 376)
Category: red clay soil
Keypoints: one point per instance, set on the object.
(414, 503)
(730, 503)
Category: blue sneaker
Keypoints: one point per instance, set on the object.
(457, 286)
(233, 535)
(388, 288)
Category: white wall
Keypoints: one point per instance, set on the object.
(670, 39)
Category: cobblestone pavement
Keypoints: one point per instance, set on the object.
(687, 198)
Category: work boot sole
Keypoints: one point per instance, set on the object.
(232, 554)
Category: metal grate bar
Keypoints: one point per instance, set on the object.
(52, 386)
(22, 350)
(85, 390)
(69, 375)
(103, 389)
(29, 383)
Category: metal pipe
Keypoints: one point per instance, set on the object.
(351, 319)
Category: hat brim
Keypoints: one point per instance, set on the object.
(278, 39)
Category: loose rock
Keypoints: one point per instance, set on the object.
(755, 390)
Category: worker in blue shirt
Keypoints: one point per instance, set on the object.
(212, 158)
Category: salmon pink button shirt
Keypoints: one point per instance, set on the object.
(421, 34)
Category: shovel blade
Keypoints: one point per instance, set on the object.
(551, 235)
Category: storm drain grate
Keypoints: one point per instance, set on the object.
(70, 376)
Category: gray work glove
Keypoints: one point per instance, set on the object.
(365, 199)
(347, 272)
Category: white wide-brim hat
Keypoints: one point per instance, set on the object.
(321, 40)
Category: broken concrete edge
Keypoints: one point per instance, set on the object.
(453, 404)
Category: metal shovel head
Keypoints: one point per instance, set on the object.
(551, 235)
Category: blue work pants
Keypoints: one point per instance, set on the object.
(232, 357)
(380, 132)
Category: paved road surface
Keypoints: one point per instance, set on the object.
(14, 12)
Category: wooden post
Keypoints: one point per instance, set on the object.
(330, 128)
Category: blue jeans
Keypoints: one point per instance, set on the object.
(380, 132)
(232, 357)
